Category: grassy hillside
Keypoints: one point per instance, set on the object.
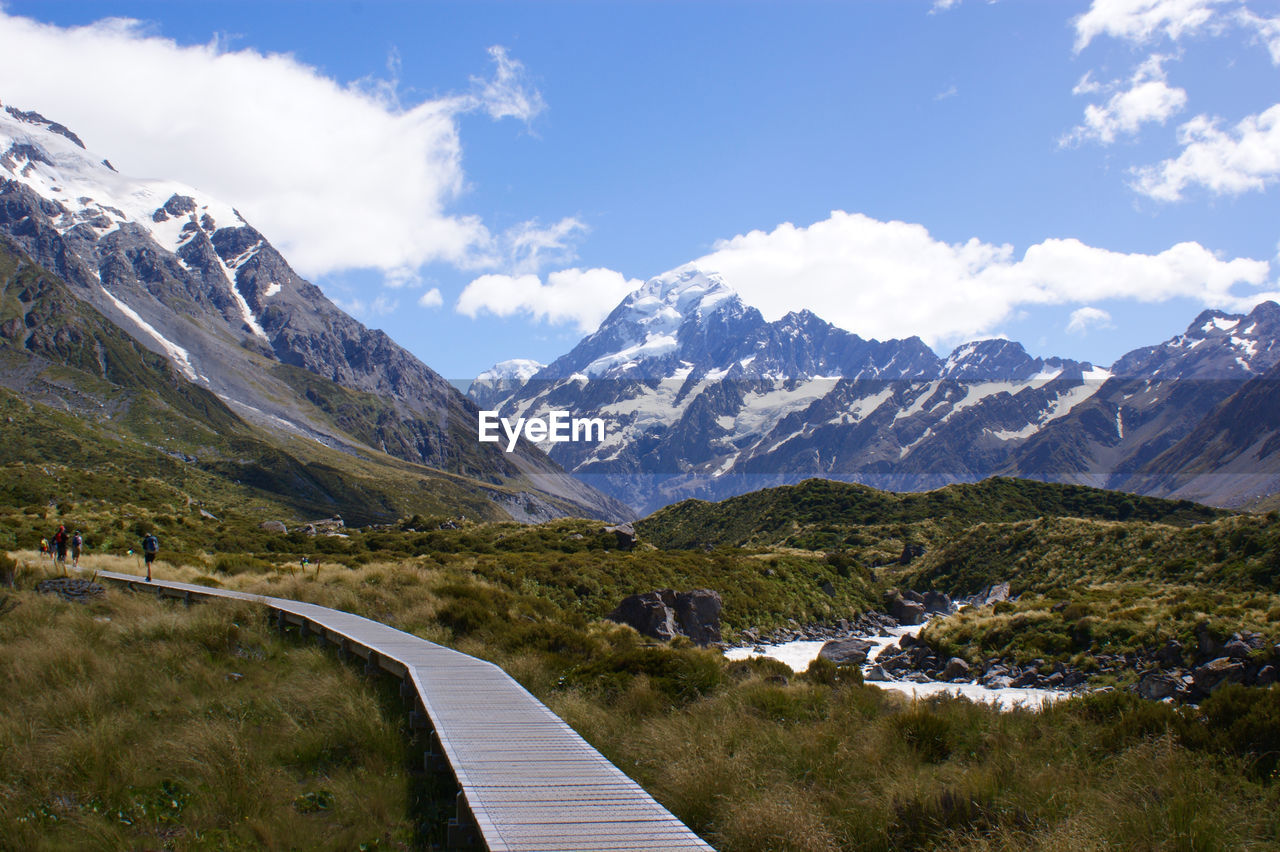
(1086, 588)
(819, 514)
(84, 395)
(49, 455)
(1241, 553)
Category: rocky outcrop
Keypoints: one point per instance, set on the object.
(1216, 674)
(665, 614)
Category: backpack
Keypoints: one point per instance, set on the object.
(150, 544)
(76, 541)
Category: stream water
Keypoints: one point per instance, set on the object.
(800, 653)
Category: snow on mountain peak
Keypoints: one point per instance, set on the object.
(54, 163)
(519, 370)
(678, 294)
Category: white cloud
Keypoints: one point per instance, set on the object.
(1148, 99)
(893, 279)
(942, 6)
(1245, 158)
(337, 176)
(431, 298)
(528, 246)
(401, 276)
(1083, 319)
(1087, 85)
(1143, 20)
(509, 94)
(583, 297)
(379, 306)
(1266, 29)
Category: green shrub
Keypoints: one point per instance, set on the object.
(1245, 721)
(927, 733)
(681, 675)
(241, 563)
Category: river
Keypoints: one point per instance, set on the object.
(800, 653)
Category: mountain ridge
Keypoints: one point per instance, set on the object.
(191, 280)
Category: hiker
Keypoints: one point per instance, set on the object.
(76, 543)
(60, 545)
(150, 545)
(44, 547)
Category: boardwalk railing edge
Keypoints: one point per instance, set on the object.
(526, 780)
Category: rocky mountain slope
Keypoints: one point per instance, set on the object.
(704, 398)
(189, 279)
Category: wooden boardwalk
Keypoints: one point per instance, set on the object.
(526, 780)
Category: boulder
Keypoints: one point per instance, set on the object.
(906, 611)
(1236, 650)
(876, 673)
(1170, 655)
(1208, 646)
(846, 652)
(938, 602)
(274, 527)
(1216, 673)
(1157, 686)
(648, 614)
(624, 535)
(698, 615)
(957, 669)
(1255, 641)
(993, 594)
(1266, 676)
(664, 614)
(1029, 678)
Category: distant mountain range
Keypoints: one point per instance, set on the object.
(704, 398)
(109, 260)
(161, 316)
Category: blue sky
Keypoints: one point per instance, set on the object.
(484, 180)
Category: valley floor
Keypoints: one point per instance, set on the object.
(133, 722)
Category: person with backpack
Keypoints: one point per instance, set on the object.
(60, 540)
(76, 543)
(150, 546)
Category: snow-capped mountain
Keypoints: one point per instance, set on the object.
(189, 278)
(703, 397)
(1160, 396)
(502, 380)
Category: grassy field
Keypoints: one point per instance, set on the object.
(133, 723)
(749, 755)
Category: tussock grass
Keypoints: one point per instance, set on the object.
(750, 755)
(136, 723)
